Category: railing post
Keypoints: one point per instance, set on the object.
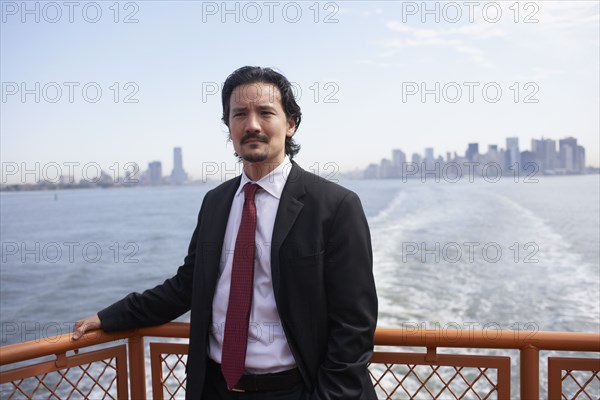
(530, 373)
(554, 380)
(137, 367)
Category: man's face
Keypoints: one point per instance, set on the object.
(257, 123)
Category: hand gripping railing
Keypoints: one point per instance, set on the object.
(103, 373)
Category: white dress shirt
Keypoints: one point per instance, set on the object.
(268, 350)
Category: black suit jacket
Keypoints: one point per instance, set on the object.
(321, 262)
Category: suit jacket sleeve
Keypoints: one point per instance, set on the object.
(352, 306)
(159, 305)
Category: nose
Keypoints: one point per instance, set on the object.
(252, 123)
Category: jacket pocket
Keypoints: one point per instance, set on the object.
(309, 260)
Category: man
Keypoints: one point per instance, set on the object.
(278, 273)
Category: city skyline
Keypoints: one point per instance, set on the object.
(121, 90)
(551, 157)
(543, 158)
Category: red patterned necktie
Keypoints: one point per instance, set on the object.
(235, 340)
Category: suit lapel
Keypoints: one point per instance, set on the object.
(217, 224)
(287, 212)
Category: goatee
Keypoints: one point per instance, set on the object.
(254, 157)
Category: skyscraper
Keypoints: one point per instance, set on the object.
(529, 162)
(512, 153)
(398, 157)
(568, 154)
(429, 154)
(493, 155)
(545, 154)
(580, 159)
(472, 151)
(178, 176)
(386, 168)
(155, 173)
(398, 160)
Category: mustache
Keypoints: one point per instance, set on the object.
(254, 136)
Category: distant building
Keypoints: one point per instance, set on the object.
(178, 175)
(428, 162)
(429, 154)
(386, 168)
(133, 177)
(529, 162)
(66, 180)
(398, 161)
(398, 157)
(568, 155)
(371, 172)
(545, 154)
(492, 156)
(580, 159)
(155, 173)
(472, 151)
(512, 152)
(104, 179)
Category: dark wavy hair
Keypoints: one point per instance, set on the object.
(247, 75)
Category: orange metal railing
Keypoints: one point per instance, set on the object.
(104, 373)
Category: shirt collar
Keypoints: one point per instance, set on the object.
(271, 183)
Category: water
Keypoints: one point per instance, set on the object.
(546, 274)
(509, 255)
(94, 246)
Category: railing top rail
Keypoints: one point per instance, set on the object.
(490, 339)
(59, 344)
(493, 339)
(56, 344)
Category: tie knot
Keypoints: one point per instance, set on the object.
(250, 190)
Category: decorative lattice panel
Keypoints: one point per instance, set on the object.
(411, 376)
(168, 370)
(100, 374)
(573, 378)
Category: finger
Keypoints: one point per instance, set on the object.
(79, 331)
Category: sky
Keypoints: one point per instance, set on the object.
(112, 83)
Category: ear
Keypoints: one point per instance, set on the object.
(291, 127)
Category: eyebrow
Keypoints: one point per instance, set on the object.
(260, 107)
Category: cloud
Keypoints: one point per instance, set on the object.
(561, 26)
(539, 74)
(480, 30)
(382, 64)
(543, 73)
(561, 16)
(453, 38)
